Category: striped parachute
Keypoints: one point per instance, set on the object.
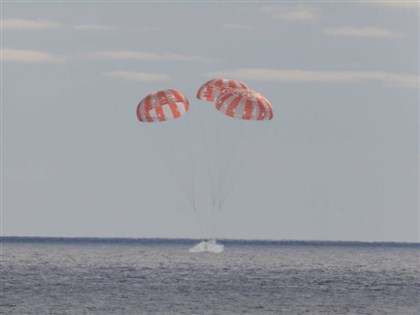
(244, 104)
(170, 143)
(210, 90)
(162, 106)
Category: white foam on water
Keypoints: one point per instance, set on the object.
(207, 246)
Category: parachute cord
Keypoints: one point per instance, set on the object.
(215, 221)
(218, 160)
(238, 167)
(210, 146)
(251, 149)
(235, 168)
(194, 203)
(193, 190)
(221, 167)
(197, 213)
(234, 177)
(232, 155)
(207, 150)
(179, 179)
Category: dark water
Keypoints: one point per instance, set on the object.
(94, 276)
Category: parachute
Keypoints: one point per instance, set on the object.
(162, 106)
(210, 90)
(244, 104)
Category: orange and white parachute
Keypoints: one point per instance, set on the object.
(210, 90)
(244, 104)
(162, 106)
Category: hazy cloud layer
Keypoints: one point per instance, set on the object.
(32, 25)
(239, 27)
(93, 27)
(404, 4)
(137, 76)
(367, 31)
(40, 25)
(299, 13)
(261, 74)
(29, 56)
(34, 56)
(143, 55)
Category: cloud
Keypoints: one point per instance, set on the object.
(299, 13)
(34, 56)
(261, 74)
(137, 76)
(400, 4)
(239, 27)
(93, 27)
(29, 56)
(143, 55)
(361, 32)
(38, 25)
(31, 25)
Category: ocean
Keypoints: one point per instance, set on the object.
(161, 276)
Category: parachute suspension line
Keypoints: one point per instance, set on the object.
(233, 179)
(218, 160)
(204, 131)
(251, 149)
(193, 181)
(163, 156)
(192, 177)
(212, 142)
(228, 165)
(162, 106)
(215, 221)
(218, 170)
(192, 155)
(226, 168)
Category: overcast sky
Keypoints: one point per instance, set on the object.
(339, 161)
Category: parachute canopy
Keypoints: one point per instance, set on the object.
(210, 90)
(244, 104)
(162, 106)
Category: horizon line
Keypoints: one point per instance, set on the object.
(97, 239)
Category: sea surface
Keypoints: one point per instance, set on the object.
(161, 276)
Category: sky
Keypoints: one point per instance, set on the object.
(339, 160)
